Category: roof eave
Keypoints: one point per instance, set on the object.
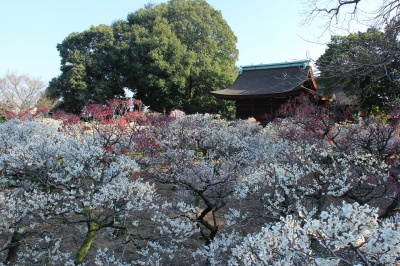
(258, 96)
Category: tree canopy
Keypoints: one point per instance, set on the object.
(89, 69)
(19, 92)
(364, 65)
(171, 55)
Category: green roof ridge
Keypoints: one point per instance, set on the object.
(297, 63)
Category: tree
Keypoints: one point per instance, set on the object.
(89, 69)
(160, 65)
(45, 101)
(207, 45)
(316, 125)
(364, 65)
(172, 55)
(203, 161)
(236, 193)
(63, 179)
(340, 233)
(19, 92)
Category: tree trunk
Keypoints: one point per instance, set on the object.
(93, 228)
(13, 247)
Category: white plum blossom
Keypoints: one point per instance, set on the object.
(355, 228)
(350, 233)
(48, 176)
(282, 243)
(230, 192)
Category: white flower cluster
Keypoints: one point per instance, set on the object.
(44, 251)
(282, 243)
(105, 257)
(290, 174)
(225, 180)
(355, 228)
(47, 175)
(351, 234)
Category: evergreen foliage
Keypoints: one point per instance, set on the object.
(171, 55)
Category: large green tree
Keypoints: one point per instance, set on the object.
(365, 65)
(171, 55)
(208, 52)
(89, 69)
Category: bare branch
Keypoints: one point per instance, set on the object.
(20, 92)
(341, 13)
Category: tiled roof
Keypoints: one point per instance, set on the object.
(269, 80)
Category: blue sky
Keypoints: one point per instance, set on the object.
(267, 31)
